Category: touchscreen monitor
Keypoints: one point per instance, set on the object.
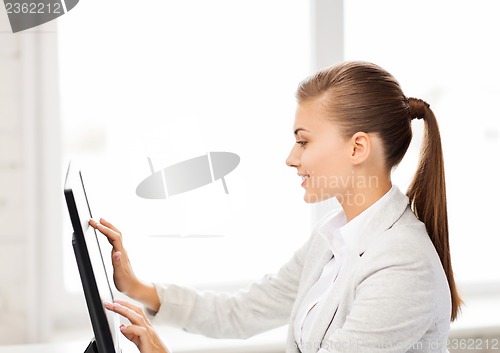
(87, 248)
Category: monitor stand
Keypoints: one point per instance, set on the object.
(92, 347)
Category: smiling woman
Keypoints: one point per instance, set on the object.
(373, 276)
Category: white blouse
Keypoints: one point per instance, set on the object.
(341, 235)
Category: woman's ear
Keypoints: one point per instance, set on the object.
(360, 147)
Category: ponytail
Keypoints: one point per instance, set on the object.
(427, 193)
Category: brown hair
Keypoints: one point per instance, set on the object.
(361, 96)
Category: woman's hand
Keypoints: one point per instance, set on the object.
(123, 275)
(140, 332)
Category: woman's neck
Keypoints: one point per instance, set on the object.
(359, 199)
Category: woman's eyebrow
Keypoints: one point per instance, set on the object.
(300, 129)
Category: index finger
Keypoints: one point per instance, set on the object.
(134, 317)
(133, 307)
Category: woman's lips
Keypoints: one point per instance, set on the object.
(304, 179)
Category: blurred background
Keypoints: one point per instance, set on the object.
(111, 84)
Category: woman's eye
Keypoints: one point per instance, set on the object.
(302, 143)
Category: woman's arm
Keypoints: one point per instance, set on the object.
(266, 304)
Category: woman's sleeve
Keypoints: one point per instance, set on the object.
(266, 304)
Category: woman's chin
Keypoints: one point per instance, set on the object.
(311, 198)
(315, 198)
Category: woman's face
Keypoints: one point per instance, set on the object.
(321, 155)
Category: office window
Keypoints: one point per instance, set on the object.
(146, 86)
(443, 52)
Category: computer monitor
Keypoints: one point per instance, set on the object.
(87, 248)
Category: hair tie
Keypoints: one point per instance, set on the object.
(418, 108)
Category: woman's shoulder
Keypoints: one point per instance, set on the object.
(403, 256)
(405, 241)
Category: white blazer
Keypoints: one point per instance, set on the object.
(391, 294)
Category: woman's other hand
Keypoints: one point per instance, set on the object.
(123, 275)
(140, 332)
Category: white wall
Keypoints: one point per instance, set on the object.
(13, 230)
(29, 211)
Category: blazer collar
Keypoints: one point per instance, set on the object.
(384, 217)
(355, 235)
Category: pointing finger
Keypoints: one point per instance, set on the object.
(131, 315)
(93, 223)
(132, 307)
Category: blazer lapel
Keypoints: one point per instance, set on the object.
(331, 303)
(323, 258)
(388, 214)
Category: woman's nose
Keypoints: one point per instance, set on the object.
(292, 160)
